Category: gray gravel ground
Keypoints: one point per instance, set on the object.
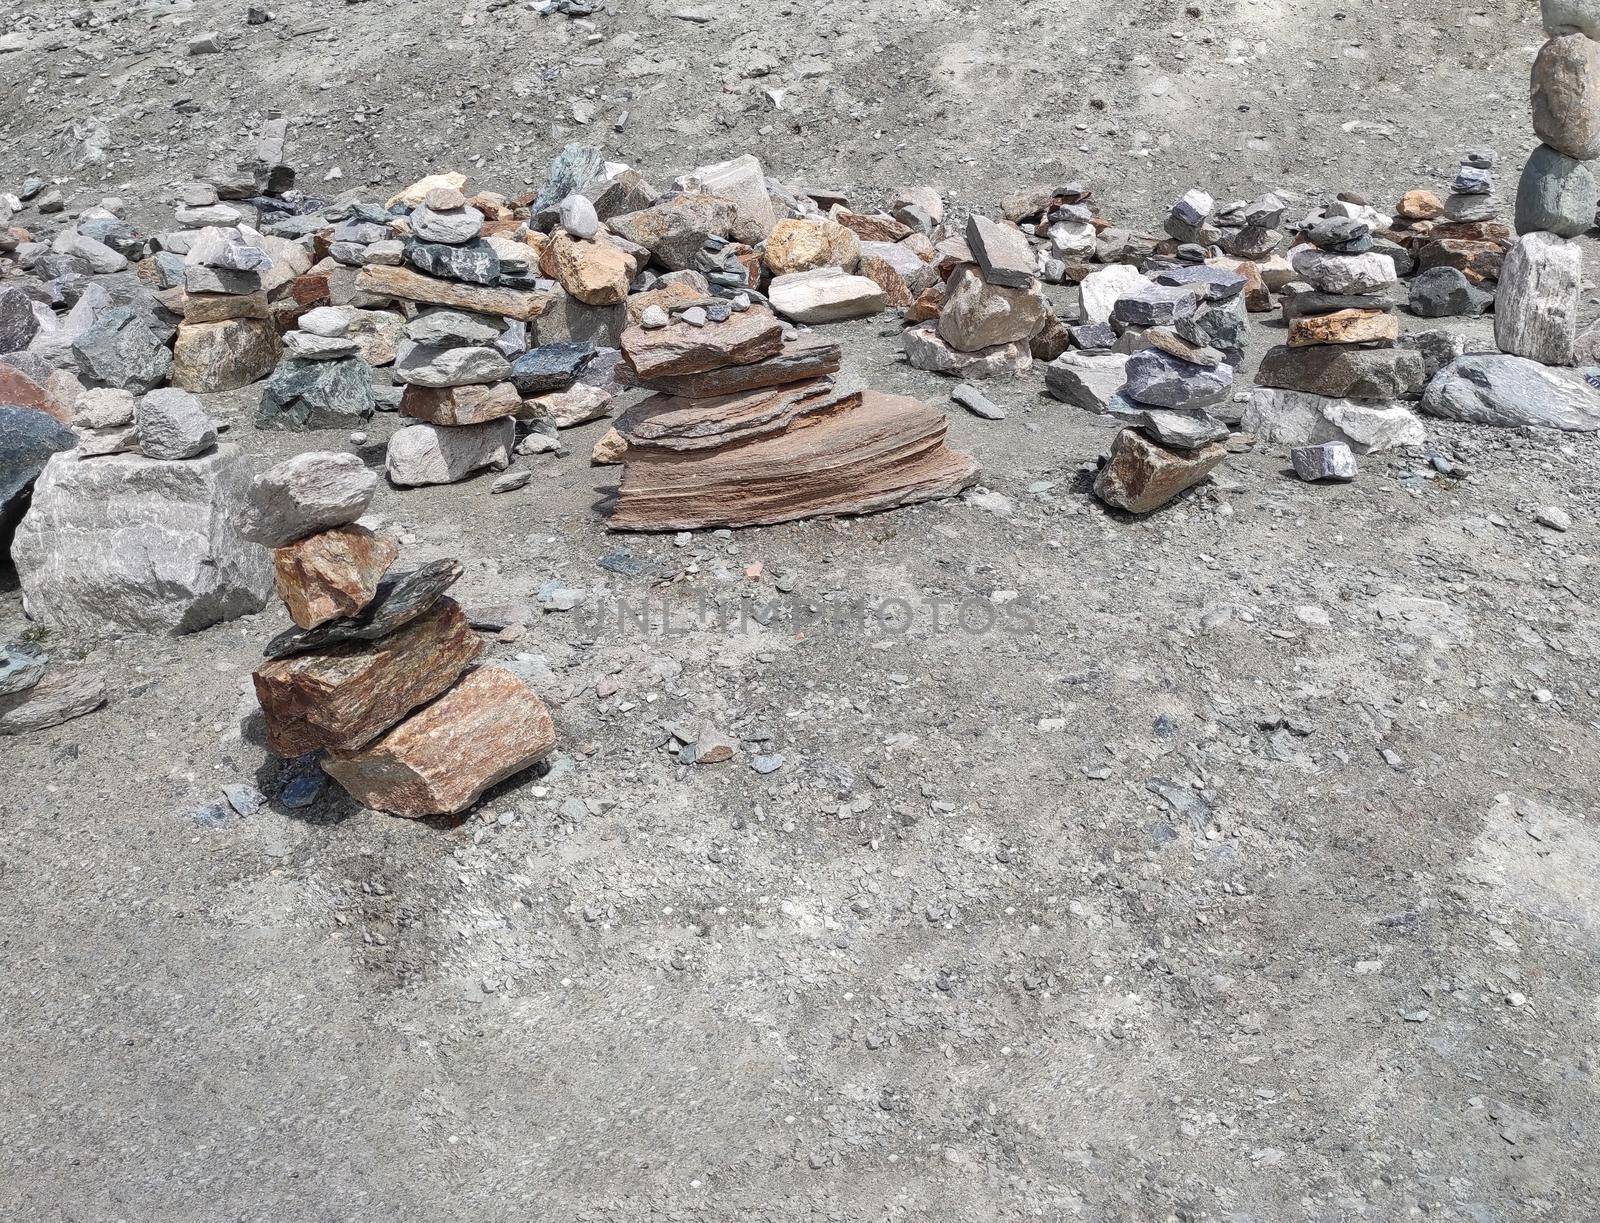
(1245, 870)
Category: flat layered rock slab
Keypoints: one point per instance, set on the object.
(519, 304)
(886, 451)
(487, 728)
(800, 359)
(345, 696)
(682, 348)
(672, 423)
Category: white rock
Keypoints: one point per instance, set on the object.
(434, 454)
(1087, 380)
(1536, 306)
(427, 365)
(977, 314)
(925, 349)
(1072, 239)
(578, 217)
(1291, 418)
(128, 543)
(577, 405)
(1334, 273)
(1099, 290)
(825, 295)
(743, 184)
(331, 322)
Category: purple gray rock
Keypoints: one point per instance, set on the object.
(1326, 461)
(1158, 379)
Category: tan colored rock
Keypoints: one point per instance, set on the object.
(346, 695)
(825, 295)
(377, 334)
(220, 307)
(460, 405)
(927, 304)
(1344, 327)
(212, 357)
(799, 246)
(417, 192)
(331, 574)
(487, 728)
(596, 273)
(609, 450)
(413, 286)
(1420, 206)
(577, 405)
(978, 315)
(1141, 475)
(681, 349)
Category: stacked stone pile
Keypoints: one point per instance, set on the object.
(227, 339)
(747, 427)
(1340, 373)
(458, 389)
(380, 675)
(992, 308)
(1558, 192)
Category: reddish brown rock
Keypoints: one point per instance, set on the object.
(1344, 327)
(927, 305)
(460, 405)
(20, 391)
(413, 286)
(608, 451)
(332, 573)
(805, 357)
(487, 728)
(680, 348)
(877, 228)
(1479, 261)
(883, 274)
(1141, 476)
(346, 695)
(1257, 296)
(778, 455)
(669, 296)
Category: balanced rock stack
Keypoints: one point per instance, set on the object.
(324, 380)
(379, 671)
(992, 307)
(1339, 374)
(227, 339)
(1558, 191)
(1455, 243)
(458, 387)
(747, 428)
(1472, 196)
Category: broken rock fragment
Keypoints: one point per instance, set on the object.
(332, 573)
(434, 454)
(1326, 461)
(307, 493)
(1142, 475)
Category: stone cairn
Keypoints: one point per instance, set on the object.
(1536, 310)
(1459, 242)
(379, 672)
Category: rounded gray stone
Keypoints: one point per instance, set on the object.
(1557, 195)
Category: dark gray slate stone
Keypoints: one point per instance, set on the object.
(1220, 284)
(1341, 371)
(1514, 392)
(1158, 379)
(119, 349)
(17, 324)
(317, 395)
(1155, 305)
(1222, 326)
(27, 440)
(1447, 293)
(1094, 337)
(1314, 302)
(1343, 235)
(550, 367)
(400, 599)
(473, 262)
(1556, 195)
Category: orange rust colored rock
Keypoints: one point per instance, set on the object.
(927, 305)
(20, 391)
(487, 728)
(872, 228)
(1257, 297)
(332, 573)
(345, 696)
(1420, 206)
(881, 272)
(596, 273)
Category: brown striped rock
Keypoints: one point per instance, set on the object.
(413, 286)
(346, 695)
(680, 348)
(332, 573)
(487, 728)
(804, 357)
(460, 405)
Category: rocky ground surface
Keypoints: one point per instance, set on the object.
(1234, 862)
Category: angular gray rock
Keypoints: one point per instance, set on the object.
(64, 694)
(434, 454)
(1443, 292)
(22, 666)
(1556, 194)
(18, 325)
(431, 365)
(130, 544)
(119, 349)
(1536, 306)
(310, 492)
(171, 424)
(1159, 379)
(979, 315)
(317, 395)
(1514, 392)
(1001, 251)
(1087, 381)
